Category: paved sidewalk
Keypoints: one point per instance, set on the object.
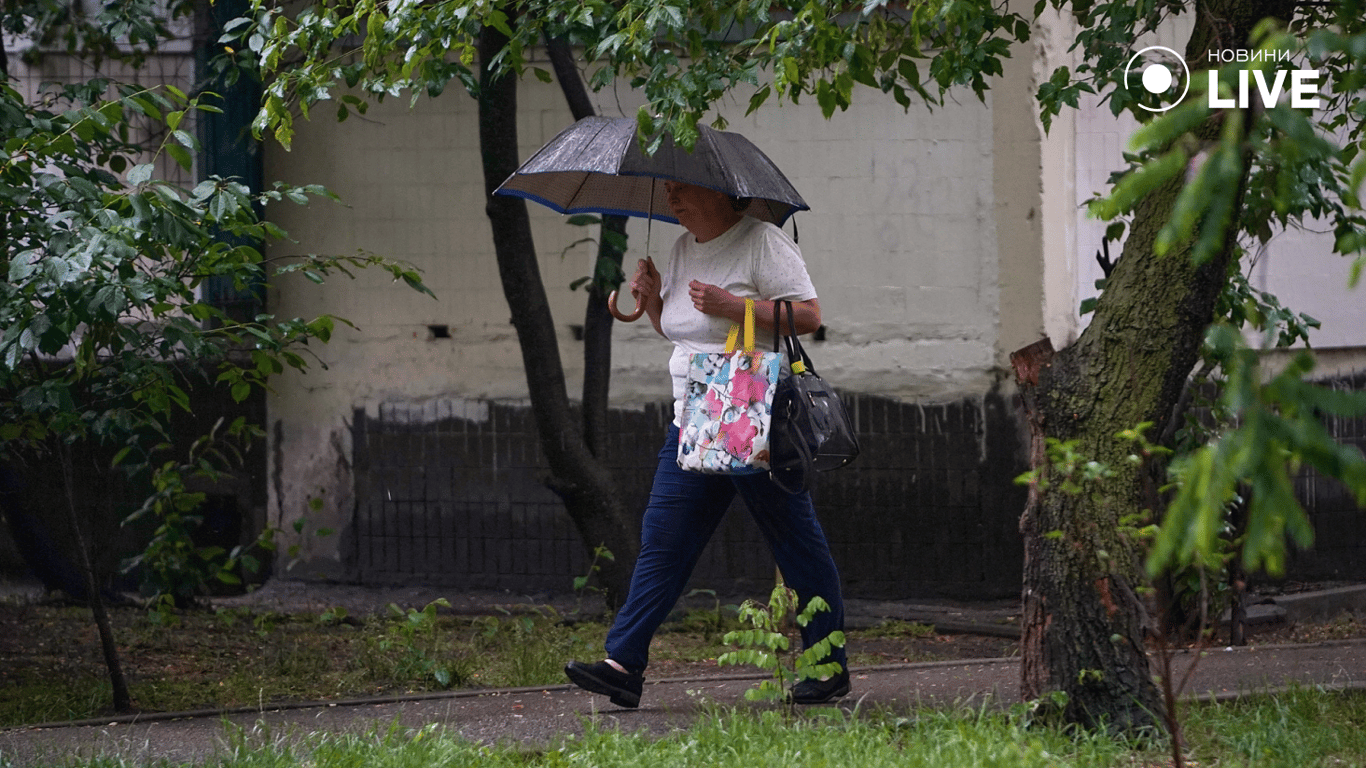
(540, 715)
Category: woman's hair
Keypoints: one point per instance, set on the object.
(739, 204)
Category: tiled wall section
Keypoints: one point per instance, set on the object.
(451, 494)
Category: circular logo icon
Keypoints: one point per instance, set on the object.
(1163, 76)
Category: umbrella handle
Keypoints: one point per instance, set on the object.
(631, 318)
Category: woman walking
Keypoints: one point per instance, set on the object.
(723, 259)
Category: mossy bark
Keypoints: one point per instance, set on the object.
(1084, 621)
(1085, 624)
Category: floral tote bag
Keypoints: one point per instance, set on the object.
(728, 406)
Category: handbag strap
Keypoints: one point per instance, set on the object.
(733, 336)
(796, 353)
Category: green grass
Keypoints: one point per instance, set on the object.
(897, 628)
(235, 658)
(1299, 729)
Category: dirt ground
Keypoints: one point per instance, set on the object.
(54, 640)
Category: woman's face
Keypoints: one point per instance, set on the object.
(693, 205)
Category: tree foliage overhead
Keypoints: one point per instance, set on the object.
(104, 263)
(683, 56)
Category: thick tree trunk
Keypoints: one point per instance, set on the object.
(597, 321)
(1084, 624)
(587, 487)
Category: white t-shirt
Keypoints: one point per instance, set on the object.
(753, 259)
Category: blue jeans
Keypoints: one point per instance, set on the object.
(685, 508)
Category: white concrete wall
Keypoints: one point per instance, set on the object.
(901, 243)
(1297, 266)
(1058, 152)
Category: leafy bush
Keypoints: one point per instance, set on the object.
(766, 646)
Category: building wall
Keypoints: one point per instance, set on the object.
(173, 65)
(902, 244)
(1297, 266)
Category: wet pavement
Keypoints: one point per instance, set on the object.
(537, 716)
(541, 715)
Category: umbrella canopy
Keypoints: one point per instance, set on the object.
(596, 166)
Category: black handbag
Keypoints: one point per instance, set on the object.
(810, 431)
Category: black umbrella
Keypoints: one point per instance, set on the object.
(596, 166)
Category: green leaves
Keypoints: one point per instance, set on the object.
(765, 644)
(1066, 468)
(835, 93)
(172, 569)
(140, 174)
(1138, 184)
(1279, 429)
(101, 302)
(684, 58)
(1208, 201)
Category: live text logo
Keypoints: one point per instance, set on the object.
(1303, 88)
(1163, 74)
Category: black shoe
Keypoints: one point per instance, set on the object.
(813, 691)
(623, 688)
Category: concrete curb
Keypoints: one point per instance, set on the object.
(1322, 604)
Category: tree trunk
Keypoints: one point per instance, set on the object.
(597, 321)
(1084, 623)
(588, 489)
(123, 700)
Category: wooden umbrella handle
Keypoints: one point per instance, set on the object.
(631, 318)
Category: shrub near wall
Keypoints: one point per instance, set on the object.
(233, 512)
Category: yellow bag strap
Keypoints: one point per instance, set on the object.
(734, 334)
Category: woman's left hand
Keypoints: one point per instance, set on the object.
(712, 299)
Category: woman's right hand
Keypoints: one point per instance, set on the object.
(645, 282)
(645, 286)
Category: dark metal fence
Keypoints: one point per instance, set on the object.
(1339, 551)
(452, 493)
